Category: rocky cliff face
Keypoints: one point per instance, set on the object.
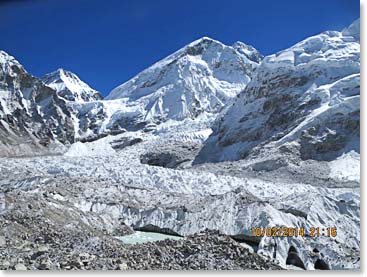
(33, 118)
(307, 96)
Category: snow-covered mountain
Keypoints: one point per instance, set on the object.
(70, 87)
(305, 98)
(203, 76)
(33, 118)
(285, 142)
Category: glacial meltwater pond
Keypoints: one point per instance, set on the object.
(143, 237)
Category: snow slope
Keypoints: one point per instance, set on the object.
(201, 77)
(307, 94)
(70, 87)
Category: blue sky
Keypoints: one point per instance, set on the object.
(108, 42)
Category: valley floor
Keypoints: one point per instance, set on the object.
(66, 211)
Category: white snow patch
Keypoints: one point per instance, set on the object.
(346, 167)
(96, 148)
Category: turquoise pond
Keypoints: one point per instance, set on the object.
(143, 237)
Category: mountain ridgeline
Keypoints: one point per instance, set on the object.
(212, 137)
(304, 98)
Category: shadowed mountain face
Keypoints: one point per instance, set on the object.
(32, 116)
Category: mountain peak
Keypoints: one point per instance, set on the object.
(58, 74)
(204, 40)
(199, 46)
(7, 60)
(353, 29)
(70, 87)
(201, 77)
(60, 71)
(249, 51)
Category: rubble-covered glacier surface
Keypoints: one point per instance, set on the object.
(117, 190)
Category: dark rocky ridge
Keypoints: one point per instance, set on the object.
(38, 116)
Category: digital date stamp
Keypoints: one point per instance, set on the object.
(293, 232)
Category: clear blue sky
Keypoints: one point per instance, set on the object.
(109, 41)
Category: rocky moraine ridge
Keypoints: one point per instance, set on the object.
(203, 145)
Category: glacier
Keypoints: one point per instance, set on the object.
(212, 137)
